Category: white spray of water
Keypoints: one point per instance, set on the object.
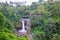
(23, 27)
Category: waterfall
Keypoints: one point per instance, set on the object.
(23, 28)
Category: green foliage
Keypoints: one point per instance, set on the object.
(9, 25)
(6, 30)
(45, 20)
(5, 23)
(40, 36)
(49, 23)
(2, 19)
(34, 6)
(25, 37)
(8, 36)
(56, 37)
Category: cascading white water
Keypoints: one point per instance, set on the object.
(23, 27)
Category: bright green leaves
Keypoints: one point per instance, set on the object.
(2, 19)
